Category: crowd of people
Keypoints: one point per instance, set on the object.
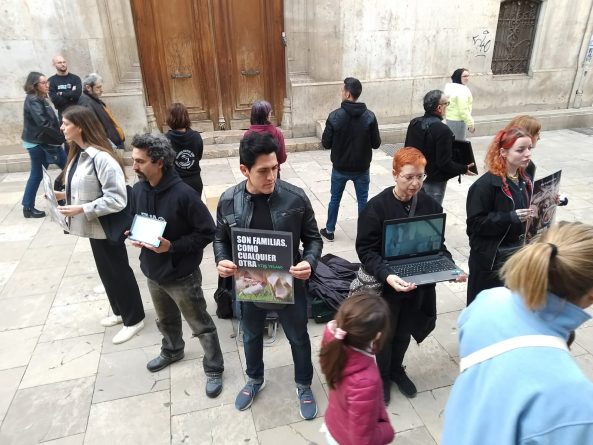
(525, 297)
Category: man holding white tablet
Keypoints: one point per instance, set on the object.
(170, 259)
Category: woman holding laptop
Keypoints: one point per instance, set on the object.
(413, 308)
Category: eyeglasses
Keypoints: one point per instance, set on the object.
(410, 178)
(465, 75)
(445, 103)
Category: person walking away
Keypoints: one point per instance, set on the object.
(351, 133)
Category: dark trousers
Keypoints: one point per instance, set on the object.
(480, 279)
(185, 296)
(391, 357)
(118, 279)
(293, 319)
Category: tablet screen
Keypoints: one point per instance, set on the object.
(147, 230)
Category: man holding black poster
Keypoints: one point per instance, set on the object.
(264, 202)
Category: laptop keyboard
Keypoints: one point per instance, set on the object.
(423, 267)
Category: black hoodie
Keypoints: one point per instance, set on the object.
(351, 132)
(189, 147)
(190, 227)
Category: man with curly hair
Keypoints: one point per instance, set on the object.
(172, 268)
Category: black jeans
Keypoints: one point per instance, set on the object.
(118, 279)
(185, 296)
(391, 357)
(293, 319)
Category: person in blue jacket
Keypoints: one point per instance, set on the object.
(519, 384)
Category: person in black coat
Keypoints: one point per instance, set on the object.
(498, 208)
(435, 140)
(41, 137)
(188, 146)
(413, 308)
(91, 98)
(351, 133)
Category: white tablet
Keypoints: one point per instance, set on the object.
(147, 230)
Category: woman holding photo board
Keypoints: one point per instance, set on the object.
(96, 186)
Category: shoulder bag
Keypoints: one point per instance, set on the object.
(115, 224)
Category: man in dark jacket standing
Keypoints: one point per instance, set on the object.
(64, 88)
(264, 202)
(435, 139)
(172, 268)
(351, 132)
(91, 98)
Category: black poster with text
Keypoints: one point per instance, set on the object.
(263, 260)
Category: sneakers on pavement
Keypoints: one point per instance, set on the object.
(127, 332)
(327, 235)
(161, 362)
(247, 394)
(112, 320)
(403, 382)
(214, 386)
(308, 406)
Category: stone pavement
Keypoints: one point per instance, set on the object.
(62, 381)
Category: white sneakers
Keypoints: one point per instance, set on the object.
(127, 332)
(112, 320)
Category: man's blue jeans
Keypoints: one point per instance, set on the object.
(339, 179)
(37, 156)
(293, 319)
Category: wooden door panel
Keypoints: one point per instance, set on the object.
(178, 45)
(248, 50)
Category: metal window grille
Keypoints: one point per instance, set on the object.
(515, 33)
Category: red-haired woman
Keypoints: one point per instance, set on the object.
(188, 146)
(261, 111)
(498, 208)
(413, 308)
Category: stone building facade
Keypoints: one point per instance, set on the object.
(399, 50)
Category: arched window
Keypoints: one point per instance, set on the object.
(515, 33)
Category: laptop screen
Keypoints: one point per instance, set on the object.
(416, 236)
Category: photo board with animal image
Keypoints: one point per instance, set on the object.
(263, 260)
(544, 201)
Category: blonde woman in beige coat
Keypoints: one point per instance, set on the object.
(96, 186)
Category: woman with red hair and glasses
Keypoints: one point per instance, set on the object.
(498, 208)
(413, 308)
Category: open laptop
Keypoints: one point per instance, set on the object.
(413, 248)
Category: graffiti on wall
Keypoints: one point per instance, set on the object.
(482, 43)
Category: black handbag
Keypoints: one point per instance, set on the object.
(115, 224)
(51, 153)
(504, 252)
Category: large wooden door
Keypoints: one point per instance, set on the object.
(215, 56)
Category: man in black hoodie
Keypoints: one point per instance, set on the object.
(435, 139)
(351, 132)
(172, 268)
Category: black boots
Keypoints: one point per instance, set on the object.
(32, 212)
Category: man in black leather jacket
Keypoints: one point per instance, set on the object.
(264, 202)
(351, 132)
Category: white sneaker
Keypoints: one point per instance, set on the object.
(112, 320)
(127, 332)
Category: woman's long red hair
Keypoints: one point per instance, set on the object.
(495, 163)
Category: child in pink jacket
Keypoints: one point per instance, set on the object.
(356, 413)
